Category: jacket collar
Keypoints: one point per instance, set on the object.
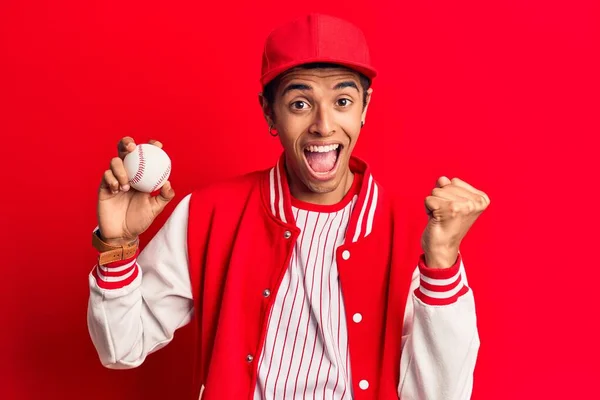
(277, 195)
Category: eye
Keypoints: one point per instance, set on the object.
(344, 102)
(299, 105)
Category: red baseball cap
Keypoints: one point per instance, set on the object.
(315, 38)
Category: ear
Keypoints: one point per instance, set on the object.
(364, 113)
(266, 109)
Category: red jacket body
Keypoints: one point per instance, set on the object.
(241, 235)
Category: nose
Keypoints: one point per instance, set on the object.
(324, 123)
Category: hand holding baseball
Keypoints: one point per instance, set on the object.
(124, 212)
(453, 207)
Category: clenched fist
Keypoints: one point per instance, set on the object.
(453, 207)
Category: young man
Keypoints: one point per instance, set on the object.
(306, 280)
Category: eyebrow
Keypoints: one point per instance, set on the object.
(306, 88)
(296, 86)
(346, 84)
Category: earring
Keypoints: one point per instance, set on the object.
(362, 123)
(271, 131)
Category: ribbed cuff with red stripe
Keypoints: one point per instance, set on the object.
(440, 286)
(118, 274)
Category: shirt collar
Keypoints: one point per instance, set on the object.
(277, 194)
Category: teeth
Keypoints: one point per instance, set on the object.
(322, 149)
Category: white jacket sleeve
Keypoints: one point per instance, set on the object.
(135, 306)
(440, 340)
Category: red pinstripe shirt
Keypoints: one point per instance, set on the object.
(305, 353)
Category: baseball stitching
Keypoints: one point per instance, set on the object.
(141, 167)
(164, 175)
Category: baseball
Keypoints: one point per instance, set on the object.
(148, 167)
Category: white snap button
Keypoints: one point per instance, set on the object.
(249, 358)
(345, 254)
(287, 234)
(357, 317)
(364, 385)
(266, 293)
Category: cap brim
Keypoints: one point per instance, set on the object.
(364, 69)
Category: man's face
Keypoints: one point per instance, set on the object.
(318, 114)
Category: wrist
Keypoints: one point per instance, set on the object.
(120, 241)
(441, 258)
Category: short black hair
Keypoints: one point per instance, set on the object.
(271, 88)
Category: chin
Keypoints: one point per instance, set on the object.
(322, 187)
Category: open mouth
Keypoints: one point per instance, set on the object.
(322, 160)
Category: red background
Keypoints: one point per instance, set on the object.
(503, 94)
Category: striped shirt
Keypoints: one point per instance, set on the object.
(305, 353)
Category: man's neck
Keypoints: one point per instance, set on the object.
(299, 191)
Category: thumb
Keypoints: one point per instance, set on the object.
(163, 198)
(443, 181)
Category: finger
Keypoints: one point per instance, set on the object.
(163, 198)
(156, 143)
(125, 146)
(458, 203)
(442, 181)
(447, 194)
(461, 192)
(436, 207)
(482, 196)
(110, 182)
(118, 169)
(444, 210)
(477, 202)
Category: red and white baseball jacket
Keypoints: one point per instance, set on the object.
(219, 261)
